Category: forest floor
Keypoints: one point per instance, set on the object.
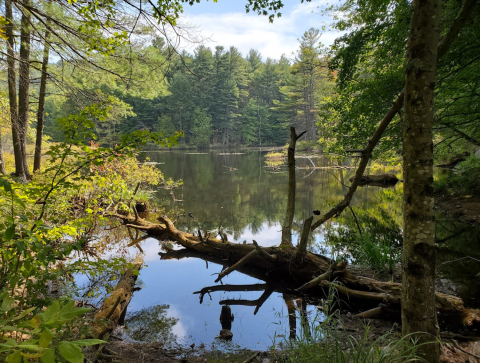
(348, 327)
(465, 208)
(453, 351)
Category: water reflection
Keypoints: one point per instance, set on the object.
(241, 196)
(226, 319)
(151, 325)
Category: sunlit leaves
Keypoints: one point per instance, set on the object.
(41, 330)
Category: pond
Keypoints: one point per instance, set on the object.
(242, 195)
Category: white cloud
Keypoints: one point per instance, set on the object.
(178, 329)
(247, 31)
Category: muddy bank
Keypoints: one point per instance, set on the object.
(465, 208)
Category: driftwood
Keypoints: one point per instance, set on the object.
(379, 179)
(313, 272)
(114, 308)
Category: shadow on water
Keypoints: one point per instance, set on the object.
(245, 198)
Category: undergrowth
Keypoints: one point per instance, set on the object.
(320, 341)
(463, 179)
(380, 254)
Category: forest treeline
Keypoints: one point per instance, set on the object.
(215, 96)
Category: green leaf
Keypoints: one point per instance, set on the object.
(71, 352)
(9, 233)
(9, 328)
(35, 321)
(6, 185)
(87, 342)
(15, 357)
(45, 338)
(25, 313)
(48, 356)
(33, 347)
(8, 303)
(69, 311)
(51, 312)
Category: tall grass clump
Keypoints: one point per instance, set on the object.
(322, 342)
(380, 254)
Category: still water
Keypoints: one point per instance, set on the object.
(245, 197)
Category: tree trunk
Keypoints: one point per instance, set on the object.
(37, 161)
(2, 159)
(288, 221)
(419, 312)
(12, 92)
(114, 307)
(24, 86)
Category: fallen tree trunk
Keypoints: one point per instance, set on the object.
(312, 272)
(114, 307)
(379, 178)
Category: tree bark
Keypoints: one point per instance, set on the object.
(12, 92)
(113, 307)
(37, 160)
(24, 86)
(419, 312)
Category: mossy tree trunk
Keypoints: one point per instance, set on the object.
(419, 312)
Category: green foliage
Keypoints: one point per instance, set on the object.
(369, 61)
(320, 341)
(46, 220)
(463, 179)
(43, 330)
(378, 253)
(306, 86)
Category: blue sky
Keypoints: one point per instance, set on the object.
(226, 23)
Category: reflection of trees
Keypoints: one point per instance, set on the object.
(151, 325)
(251, 196)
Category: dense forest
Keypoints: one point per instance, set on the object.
(87, 85)
(216, 97)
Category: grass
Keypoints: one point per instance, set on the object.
(380, 254)
(324, 343)
(385, 349)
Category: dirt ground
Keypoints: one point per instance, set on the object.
(464, 208)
